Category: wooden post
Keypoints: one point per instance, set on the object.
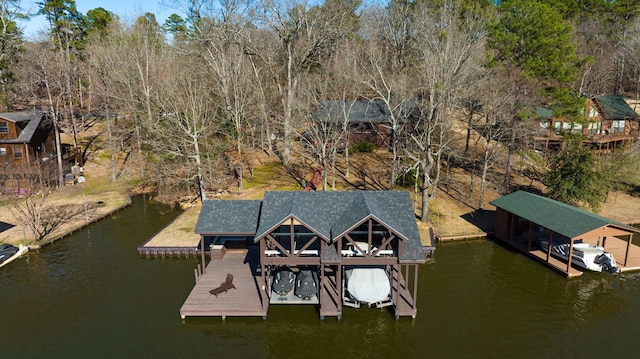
(370, 237)
(530, 230)
(339, 287)
(549, 245)
(292, 250)
(415, 287)
(626, 254)
(202, 250)
(570, 255)
(397, 285)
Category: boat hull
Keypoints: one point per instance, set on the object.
(585, 256)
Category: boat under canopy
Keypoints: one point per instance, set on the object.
(368, 285)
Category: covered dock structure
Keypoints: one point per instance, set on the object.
(323, 232)
(524, 219)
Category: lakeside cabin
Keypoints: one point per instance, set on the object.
(328, 233)
(523, 218)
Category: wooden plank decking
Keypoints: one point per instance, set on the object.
(247, 300)
(329, 299)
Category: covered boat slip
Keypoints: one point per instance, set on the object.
(251, 299)
(524, 220)
(318, 232)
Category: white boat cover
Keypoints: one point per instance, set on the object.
(368, 285)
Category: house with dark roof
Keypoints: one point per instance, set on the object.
(609, 121)
(327, 233)
(367, 120)
(25, 137)
(523, 219)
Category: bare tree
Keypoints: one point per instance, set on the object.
(43, 78)
(450, 65)
(187, 119)
(31, 209)
(306, 37)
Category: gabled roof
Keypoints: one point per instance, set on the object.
(615, 108)
(331, 214)
(228, 217)
(561, 218)
(33, 120)
(22, 116)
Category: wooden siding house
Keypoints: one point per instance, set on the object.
(327, 232)
(25, 137)
(610, 121)
(368, 120)
(522, 219)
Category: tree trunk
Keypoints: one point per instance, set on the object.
(424, 189)
(111, 147)
(286, 150)
(196, 147)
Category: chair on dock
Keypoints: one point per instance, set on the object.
(224, 287)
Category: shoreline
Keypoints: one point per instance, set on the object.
(110, 203)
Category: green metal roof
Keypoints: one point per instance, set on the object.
(616, 108)
(558, 217)
(542, 112)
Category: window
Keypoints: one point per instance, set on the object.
(617, 126)
(4, 128)
(577, 128)
(17, 152)
(594, 128)
(3, 151)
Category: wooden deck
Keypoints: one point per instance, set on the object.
(249, 299)
(330, 301)
(617, 247)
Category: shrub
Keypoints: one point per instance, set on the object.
(364, 147)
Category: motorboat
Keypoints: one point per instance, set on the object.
(584, 255)
(367, 285)
(9, 252)
(283, 282)
(306, 285)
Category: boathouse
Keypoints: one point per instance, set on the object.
(525, 219)
(327, 233)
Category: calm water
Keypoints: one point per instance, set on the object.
(92, 296)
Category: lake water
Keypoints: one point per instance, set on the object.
(92, 296)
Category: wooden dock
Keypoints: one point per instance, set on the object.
(248, 299)
(617, 247)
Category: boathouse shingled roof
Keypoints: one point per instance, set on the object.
(561, 218)
(331, 214)
(228, 217)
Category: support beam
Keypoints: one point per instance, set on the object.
(626, 254)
